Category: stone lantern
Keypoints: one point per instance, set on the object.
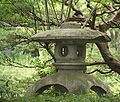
(70, 52)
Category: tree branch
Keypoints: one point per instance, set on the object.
(96, 63)
(114, 64)
(97, 70)
(69, 9)
(35, 21)
(46, 46)
(98, 14)
(40, 13)
(74, 9)
(16, 64)
(117, 2)
(47, 15)
(62, 10)
(103, 27)
(54, 11)
(50, 52)
(88, 4)
(91, 14)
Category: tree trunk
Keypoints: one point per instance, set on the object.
(114, 64)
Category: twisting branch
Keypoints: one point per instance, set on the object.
(78, 15)
(97, 70)
(112, 25)
(114, 64)
(46, 46)
(49, 51)
(76, 1)
(28, 14)
(9, 62)
(14, 40)
(88, 4)
(103, 27)
(109, 7)
(92, 24)
(78, 12)
(92, 12)
(49, 23)
(98, 14)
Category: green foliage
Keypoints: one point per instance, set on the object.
(11, 14)
(103, 2)
(14, 81)
(67, 98)
(111, 79)
(45, 67)
(11, 87)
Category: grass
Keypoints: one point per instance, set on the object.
(15, 81)
(91, 97)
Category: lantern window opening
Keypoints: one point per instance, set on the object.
(79, 51)
(64, 51)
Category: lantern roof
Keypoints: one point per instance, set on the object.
(71, 32)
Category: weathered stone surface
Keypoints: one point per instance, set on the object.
(68, 32)
(72, 81)
(72, 25)
(70, 53)
(73, 58)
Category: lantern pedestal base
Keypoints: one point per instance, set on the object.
(72, 81)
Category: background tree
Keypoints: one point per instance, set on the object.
(37, 15)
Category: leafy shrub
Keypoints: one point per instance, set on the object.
(44, 67)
